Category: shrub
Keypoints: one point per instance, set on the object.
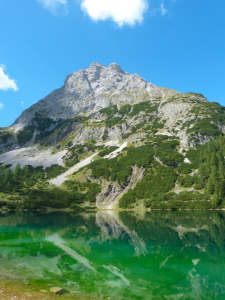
(25, 135)
(127, 199)
(125, 109)
(54, 171)
(107, 151)
(185, 168)
(91, 194)
(5, 136)
(205, 127)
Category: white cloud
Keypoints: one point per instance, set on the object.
(22, 103)
(55, 6)
(1, 105)
(163, 10)
(5, 82)
(120, 11)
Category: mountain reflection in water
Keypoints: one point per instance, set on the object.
(123, 255)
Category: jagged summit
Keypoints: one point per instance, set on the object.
(99, 79)
(96, 64)
(114, 66)
(89, 90)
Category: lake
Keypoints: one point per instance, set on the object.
(119, 255)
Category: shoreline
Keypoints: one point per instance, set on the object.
(49, 210)
(13, 289)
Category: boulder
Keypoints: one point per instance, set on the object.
(58, 290)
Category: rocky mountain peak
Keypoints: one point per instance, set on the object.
(89, 90)
(115, 67)
(93, 77)
(96, 65)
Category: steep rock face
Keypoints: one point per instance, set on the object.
(89, 90)
(111, 193)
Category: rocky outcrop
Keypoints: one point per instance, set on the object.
(112, 192)
(58, 290)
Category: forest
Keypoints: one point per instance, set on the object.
(168, 181)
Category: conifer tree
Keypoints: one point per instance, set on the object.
(214, 160)
(26, 172)
(222, 191)
(8, 175)
(17, 171)
(210, 187)
(8, 186)
(203, 171)
(221, 170)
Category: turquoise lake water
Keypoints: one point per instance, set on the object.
(121, 255)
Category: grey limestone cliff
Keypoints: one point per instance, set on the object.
(89, 90)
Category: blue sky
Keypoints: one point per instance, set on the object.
(179, 44)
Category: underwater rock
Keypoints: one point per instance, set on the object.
(58, 290)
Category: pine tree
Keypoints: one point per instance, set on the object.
(8, 186)
(26, 172)
(211, 147)
(8, 175)
(214, 160)
(203, 171)
(222, 191)
(221, 170)
(210, 187)
(221, 141)
(17, 171)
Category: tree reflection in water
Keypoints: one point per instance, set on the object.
(125, 255)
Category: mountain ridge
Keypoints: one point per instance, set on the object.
(89, 90)
(86, 90)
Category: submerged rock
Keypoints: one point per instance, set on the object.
(58, 290)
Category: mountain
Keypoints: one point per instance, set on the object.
(88, 91)
(120, 140)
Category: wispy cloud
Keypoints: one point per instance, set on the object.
(55, 6)
(22, 103)
(122, 12)
(1, 105)
(5, 82)
(162, 10)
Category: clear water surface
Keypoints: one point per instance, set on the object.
(121, 255)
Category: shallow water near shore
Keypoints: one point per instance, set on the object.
(117, 255)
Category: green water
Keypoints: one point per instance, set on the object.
(155, 255)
